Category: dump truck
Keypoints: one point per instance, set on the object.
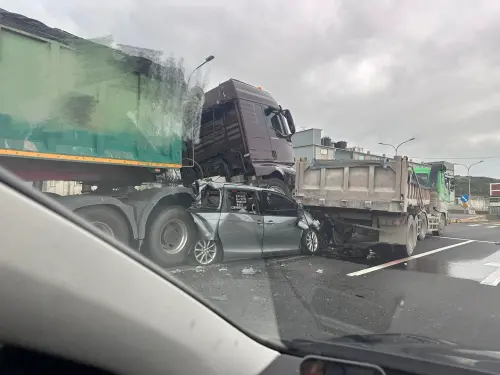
(383, 198)
(440, 177)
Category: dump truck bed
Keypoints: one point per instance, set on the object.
(372, 185)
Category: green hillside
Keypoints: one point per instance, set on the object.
(478, 185)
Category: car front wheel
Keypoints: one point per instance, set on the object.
(310, 242)
(206, 252)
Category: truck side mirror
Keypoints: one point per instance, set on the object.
(289, 119)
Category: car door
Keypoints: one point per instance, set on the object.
(240, 225)
(281, 233)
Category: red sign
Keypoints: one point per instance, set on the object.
(495, 190)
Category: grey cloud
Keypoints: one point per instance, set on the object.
(364, 71)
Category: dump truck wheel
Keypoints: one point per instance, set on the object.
(170, 236)
(107, 220)
(423, 226)
(406, 250)
(441, 226)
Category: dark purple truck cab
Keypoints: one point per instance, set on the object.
(246, 137)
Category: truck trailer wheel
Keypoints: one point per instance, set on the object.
(170, 236)
(406, 250)
(277, 185)
(108, 221)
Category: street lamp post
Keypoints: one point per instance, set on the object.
(396, 148)
(207, 59)
(468, 170)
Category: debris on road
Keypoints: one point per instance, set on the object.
(248, 271)
(473, 219)
(222, 298)
(175, 271)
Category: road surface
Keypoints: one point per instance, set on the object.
(448, 289)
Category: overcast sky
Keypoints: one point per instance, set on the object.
(363, 71)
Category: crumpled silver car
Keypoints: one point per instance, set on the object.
(240, 221)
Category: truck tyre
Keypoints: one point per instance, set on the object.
(170, 236)
(406, 250)
(341, 234)
(310, 243)
(441, 226)
(108, 221)
(422, 226)
(277, 185)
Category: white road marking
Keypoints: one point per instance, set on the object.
(493, 279)
(492, 258)
(394, 262)
(474, 225)
(468, 239)
(492, 226)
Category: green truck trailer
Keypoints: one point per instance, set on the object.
(111, 119)
(75, 110)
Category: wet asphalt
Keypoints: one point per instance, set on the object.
(448, 289)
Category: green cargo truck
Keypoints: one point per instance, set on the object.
(74, 110)
(439, 177)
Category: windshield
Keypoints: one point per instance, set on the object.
(149, 122)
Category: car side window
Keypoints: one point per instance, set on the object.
(278, 205)
(211, 200)
(242, 201)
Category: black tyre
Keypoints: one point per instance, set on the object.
(348, 234)
(277, 185)
(206, 252)
(406, 250)
(108, 221)
(341, 236)
(310, 242)
(188, 176)
(170, 236)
